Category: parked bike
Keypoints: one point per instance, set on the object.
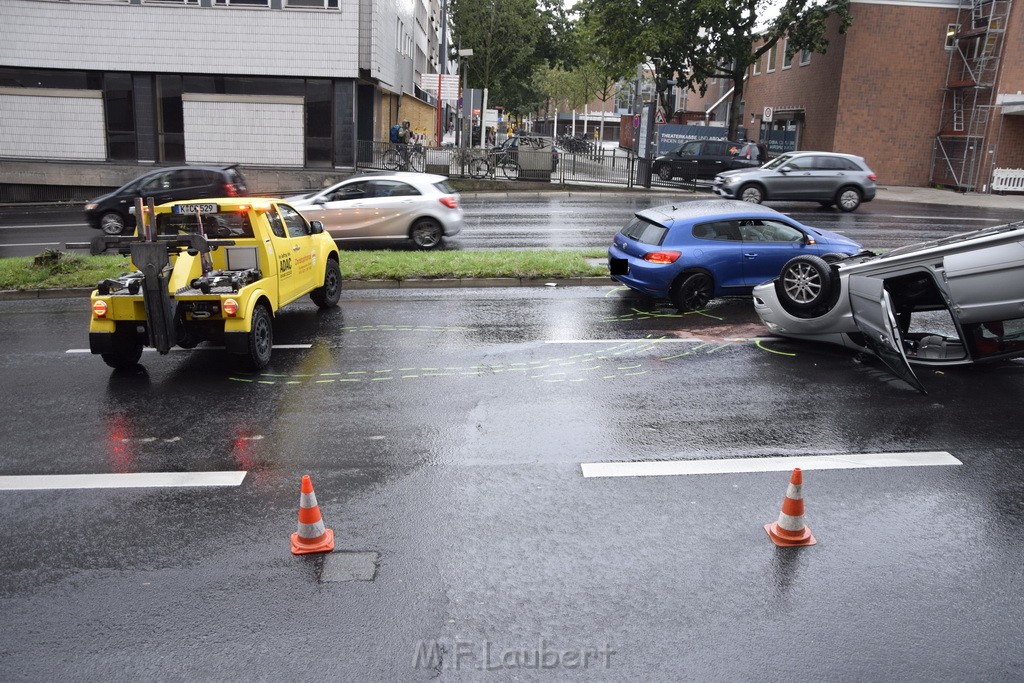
(405, 158)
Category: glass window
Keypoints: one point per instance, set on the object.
(757, 66)
(996, 338)
(276, 224)
(772, 56)
(716, 148)
(295, 223)
(951, 31)
(346, 192)
(805, 57)
(170, 118)
(319, 115)
(395, 188)
(119, 108)
(769, 231)
(228, 224)
(717, 230)
(692, 147)
(787, 58)
(644, 232)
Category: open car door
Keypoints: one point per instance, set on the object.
(873, 315)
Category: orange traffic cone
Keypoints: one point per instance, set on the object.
(311, 537)
(790, 530)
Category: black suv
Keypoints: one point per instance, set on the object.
(110, 212)
(704, 159)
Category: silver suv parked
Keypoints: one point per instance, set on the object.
(824, 177)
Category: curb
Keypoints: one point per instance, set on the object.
(452, 283)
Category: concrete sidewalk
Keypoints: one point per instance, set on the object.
(929, 195)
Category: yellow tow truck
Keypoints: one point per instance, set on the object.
(212, 270)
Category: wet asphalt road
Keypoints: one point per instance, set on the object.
(563, 220)
(444, 431)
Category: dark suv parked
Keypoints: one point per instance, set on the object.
(110, 212)
(705, 159)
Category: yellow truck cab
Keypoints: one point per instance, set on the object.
(212, 270)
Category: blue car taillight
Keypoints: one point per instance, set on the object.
(662, 256)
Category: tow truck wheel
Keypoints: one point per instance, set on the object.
(126, 349)
(260, 340)
(328, 295)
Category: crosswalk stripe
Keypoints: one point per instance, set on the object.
(39, 482)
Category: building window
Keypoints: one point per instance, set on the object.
(757, 66)
(805, 57)
(170, 119)
(245, 3)
(772, 56)
(951, 31)
(319, 118)
(320, 4)
(120, 114)
(787, 58)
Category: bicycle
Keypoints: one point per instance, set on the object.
(506, 161)
(405, 158)
(474, 160)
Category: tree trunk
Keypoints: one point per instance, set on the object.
(735, 115)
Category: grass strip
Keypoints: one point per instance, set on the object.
(58, 269)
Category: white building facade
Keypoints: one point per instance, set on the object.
(275, 84)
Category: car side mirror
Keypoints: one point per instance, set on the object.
(320, 200)
(316, 227)
(785, 169)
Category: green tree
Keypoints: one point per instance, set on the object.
(509, 38)
(697, 40)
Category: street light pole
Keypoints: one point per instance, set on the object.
(463, 63)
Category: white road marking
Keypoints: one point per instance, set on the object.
(942, 218)
(30, 244)
(42, 482)
(624, 341)
(778, 464)
(149, 349)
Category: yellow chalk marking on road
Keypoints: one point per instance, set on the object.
(758, 344)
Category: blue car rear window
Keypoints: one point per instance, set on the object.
(644, 231)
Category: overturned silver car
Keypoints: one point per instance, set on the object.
(952, 301)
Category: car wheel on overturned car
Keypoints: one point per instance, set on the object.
(805, 283)
(692, 292)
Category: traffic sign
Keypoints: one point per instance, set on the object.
(767, 115)
(660, 116)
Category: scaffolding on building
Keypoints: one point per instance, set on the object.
(975, 45)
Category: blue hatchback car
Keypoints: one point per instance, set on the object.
(698, 250)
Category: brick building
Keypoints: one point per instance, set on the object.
(927, 91)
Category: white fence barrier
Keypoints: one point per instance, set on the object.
(1008, 180)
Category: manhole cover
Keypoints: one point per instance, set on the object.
(349, 567)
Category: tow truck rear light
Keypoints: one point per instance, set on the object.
(99, 308)
(230, 307)
(662, 256)
(450, 202)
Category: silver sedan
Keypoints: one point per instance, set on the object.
(421, 207)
